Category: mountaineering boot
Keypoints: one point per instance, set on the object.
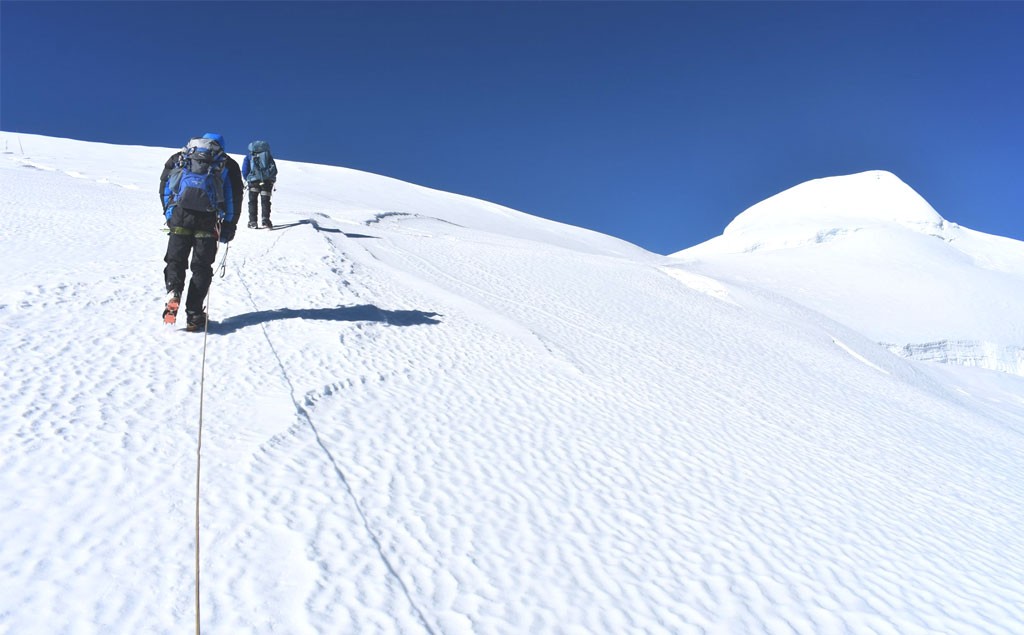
(267, 224)
(253, 225)
(171, 307)
(195, 321)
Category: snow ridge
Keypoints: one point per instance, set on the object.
(988, 355)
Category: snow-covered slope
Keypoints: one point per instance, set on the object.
(428, 414)
(869, 252)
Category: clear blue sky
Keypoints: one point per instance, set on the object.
(654, 122)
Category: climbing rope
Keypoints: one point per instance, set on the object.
(221, 269)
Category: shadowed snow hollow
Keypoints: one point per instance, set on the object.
(869, 251)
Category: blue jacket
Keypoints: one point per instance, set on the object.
(245, 166)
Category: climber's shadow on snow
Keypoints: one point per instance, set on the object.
(360, 313)
(320, 228)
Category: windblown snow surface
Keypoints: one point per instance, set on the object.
(425, 413)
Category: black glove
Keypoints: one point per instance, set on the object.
(227, 233)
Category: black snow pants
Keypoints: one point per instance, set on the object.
(204, 251)
(260, 190)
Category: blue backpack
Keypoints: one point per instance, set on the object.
(196, 183)
(261, 163)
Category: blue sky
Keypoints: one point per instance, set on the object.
(654, 122)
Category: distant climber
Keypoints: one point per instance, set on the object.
(260, 172)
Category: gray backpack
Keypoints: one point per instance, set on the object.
(261, 163)
(195, 183)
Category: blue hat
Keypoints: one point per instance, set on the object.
(216, 137)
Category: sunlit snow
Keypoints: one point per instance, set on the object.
(426, 413)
